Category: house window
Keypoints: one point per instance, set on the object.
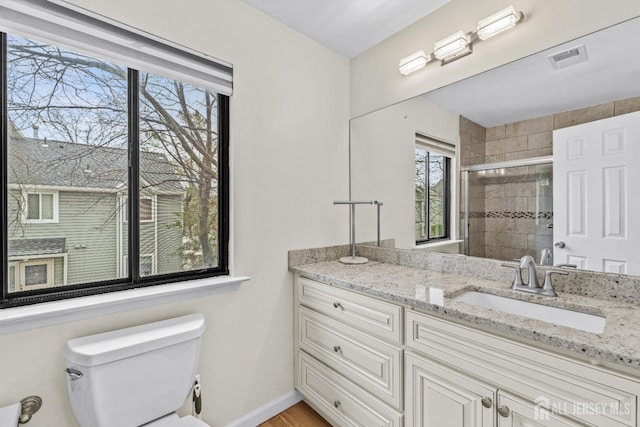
(36, 274)
(124, 134)
(432, 189)
(40, 207)
(146, 265)
(146, 209)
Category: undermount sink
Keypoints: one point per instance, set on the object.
(558, 316)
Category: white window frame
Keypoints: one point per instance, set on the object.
(40, 192)
(425, 141)
(153, 262)
(16, 275)
(153, 208)
(49, 262)
(125, 208)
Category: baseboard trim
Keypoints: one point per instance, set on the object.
(268, 410)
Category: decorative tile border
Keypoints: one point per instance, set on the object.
(509, 215)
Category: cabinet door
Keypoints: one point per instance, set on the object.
(515, 412)
(437, 396)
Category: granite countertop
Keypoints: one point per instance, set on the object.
(431, 291)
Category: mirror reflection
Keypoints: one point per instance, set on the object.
(530, 173)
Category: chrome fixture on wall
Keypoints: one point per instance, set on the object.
(460, 43)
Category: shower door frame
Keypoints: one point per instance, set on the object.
(464, 178)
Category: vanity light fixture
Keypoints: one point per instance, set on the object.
(461, 43)
(453, 47)
(414, 62)
(498, 22)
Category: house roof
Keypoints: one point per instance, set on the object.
(31, 247)
(66, 164)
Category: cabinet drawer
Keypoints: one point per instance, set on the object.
(556, 382)
(339, 400)
(376, 317)
(369, 362)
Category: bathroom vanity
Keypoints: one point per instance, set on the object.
(384, 344)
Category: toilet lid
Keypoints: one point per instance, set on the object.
(173, 420)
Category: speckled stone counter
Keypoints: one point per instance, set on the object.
(618, 346)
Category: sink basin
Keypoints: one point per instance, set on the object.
(558, 316)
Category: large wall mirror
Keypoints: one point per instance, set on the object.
(546, 153)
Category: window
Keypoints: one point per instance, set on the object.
(36, 274)
(97, 134)
(146, 265)
(40, 207)
(146, 209)
(432, 189)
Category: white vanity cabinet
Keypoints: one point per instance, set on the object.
(364, 361)
(349, 355)
(516, 412)
(438, 396)
(451, 368)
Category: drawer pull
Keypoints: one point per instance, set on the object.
(336, 348)
(337, 403)
(487, 402)
(337, 305)
(504, 411)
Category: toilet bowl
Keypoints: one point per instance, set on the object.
(10, 415)
(138, 376)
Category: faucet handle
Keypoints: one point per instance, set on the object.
(548, 281)
(517, 280)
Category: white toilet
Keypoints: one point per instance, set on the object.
(135, 376)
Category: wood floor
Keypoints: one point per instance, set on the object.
(299, 415)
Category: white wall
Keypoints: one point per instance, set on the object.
(376, 82)
(289, 142)
(383, 165)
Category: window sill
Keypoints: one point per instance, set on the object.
(56, 312)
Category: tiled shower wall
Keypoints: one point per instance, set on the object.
(506, 222)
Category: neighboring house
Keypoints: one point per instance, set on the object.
(68, 219)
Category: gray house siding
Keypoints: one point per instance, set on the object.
(88, 222)
(169, 234)
(168, 228)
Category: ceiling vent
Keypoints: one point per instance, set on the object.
(569, 57)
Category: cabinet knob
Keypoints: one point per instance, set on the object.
(504, 411)
(336, 348)
(337, 305)
(337, 403)
(487, 402)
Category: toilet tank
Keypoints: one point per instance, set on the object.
(132, 376)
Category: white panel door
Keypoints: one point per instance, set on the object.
(596, 184)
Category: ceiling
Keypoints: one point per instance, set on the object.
(531, 87)
(348, 27)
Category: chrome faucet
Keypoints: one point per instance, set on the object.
(533, 286)
(528, 262)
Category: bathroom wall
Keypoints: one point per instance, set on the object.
(376, 82)
(511, 208)
(383, 158)
(289, 147)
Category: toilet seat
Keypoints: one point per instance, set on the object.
(172, 420)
